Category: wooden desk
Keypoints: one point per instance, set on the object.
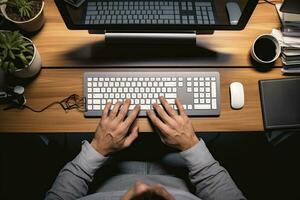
(55, 84)
(67, 54)
(61, 47)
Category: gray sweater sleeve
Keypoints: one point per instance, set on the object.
(211, 180)
(73, 180)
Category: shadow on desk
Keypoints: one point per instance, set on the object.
(101, 54)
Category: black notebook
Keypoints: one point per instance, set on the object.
(280, 99)
(290, 6)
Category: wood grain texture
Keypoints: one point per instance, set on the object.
(60, 47)
(56, 84)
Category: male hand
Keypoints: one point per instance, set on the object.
(111, 135)
(176, 129)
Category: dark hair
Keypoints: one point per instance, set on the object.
(149, 195)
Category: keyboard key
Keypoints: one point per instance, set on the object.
(213, 89)
(92, 12)
(96, 107)
(97, 96)
(214, 104)
(171, 95)
(96, 90)
(170, 84)
(201, 106)
(96, 101)
(171, 101)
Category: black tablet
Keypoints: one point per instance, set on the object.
(75, 17)
(280, 100)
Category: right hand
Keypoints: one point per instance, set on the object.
(176, 129)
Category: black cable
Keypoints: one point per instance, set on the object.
(43, 109)
(269, 2)
(74, 101)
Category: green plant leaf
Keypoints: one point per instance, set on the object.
(12, 67)
(15, 49)
(27, 44)
(12, 56)
(23, 59)
(27, 51)
(29, 58)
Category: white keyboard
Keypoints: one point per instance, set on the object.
(199, 92)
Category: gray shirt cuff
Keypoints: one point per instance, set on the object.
(89, 159)
(197, 156)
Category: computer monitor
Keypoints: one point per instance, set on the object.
(157, 15)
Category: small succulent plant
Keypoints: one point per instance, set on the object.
(15, 51)
(23, 7)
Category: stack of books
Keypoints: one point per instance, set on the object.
(289, 39)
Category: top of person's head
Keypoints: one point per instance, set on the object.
(142, 191)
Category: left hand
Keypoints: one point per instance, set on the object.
(111, 135)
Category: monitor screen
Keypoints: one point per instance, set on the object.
(156, 14)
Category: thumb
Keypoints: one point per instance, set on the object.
(132, 136)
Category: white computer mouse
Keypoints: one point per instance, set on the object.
(237, 95)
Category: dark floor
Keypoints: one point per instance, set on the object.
(260, 169)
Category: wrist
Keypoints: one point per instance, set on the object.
(99, 149)
(191, 143)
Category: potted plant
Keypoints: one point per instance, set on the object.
(18, 55)
(26, 14)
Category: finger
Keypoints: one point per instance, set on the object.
(133, 135)
(167, 106)
(106, 109)
(123, 111)
(180, 107)
(157, 122)
(115, 110)
(132, 116)
(162, 113)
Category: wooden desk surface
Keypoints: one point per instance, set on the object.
(60, 47)
(67, 54)
(56, 84)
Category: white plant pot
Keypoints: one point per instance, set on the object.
(32, 25)
(34, 66)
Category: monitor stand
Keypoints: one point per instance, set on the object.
(132, 37)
